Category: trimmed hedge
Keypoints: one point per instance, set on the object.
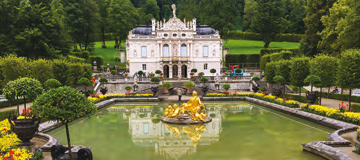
(298, 98)
(258, 37)
(98, 59)
(5, 114)
(355, 107)
(269, 51)
(242, 58)
(343, 97)
(4, 104)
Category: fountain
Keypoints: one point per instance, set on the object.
(191, 112)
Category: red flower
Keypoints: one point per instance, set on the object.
(342, 102)
(347, 105)
(11, 152)
(18, 155)
(23, 111)
(5, 129)
(339, 105)
(344, 107)
(351, 109)
(5, 158)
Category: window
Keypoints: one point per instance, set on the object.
(174, 35)
(183, 50)
(205, 66)
(165, 35)
(166, 50)
(143, 51)
(146, 128)
(183, 34)
(206, 51)
(144, 67)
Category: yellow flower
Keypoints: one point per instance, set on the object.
(259, 94)
(280, 100)
(291, 102)
(270, 97)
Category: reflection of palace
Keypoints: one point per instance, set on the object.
(171, 141)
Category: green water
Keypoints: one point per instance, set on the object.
(239, 130)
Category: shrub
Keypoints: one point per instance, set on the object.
(14, 67)
(263, 89)
(213, 70)
(265, 51)
(194, 70)
(140, 72)
(5, 114)
(238, 70)
(52, 83)
(270, 72)
(255, 78)
(155, 80)
(113, 72)
(98, 59)
(201, 74)
(263, 61)
(85, 55)
(61, 71)
(355, 108)
(158, 71)
(84, 82)
(226, 86)
(242, 58)
(313, 80)
(299, 71)
(166, 85)
(103, 80)
(275, 57)
(41, 70)
(279, 80)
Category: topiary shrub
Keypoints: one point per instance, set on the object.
(65, 105)
(84, 82)
(226, 86)
(140, 72)
(194, 70)
(128, 88)
(155, 80)
(189, 85)
(52, 83)
(201, 74)
(255, 78)
(113, 72)
(158, 71)
(263, 89)
(103, 80)
(238, 70)
(213, 70)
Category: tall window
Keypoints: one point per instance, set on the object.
(183, 50)
(144, 67)
(205, 66)
(206, 51)
(146, 128)
(166, 50)
(143, 51)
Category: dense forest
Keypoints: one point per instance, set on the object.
(53, 28)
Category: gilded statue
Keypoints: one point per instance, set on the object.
(194, 109)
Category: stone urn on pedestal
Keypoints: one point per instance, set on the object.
(103, 90)
(154, 90)
(204, 89)
(25, 129)
(277, 92)
(311, 97)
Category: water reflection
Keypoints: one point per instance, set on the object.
(169, 140)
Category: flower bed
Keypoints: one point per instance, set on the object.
(269, 98)
(351, 117)
(8, 142)
(109, 96)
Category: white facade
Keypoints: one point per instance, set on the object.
(174, 47)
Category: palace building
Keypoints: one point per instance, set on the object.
(174, 47)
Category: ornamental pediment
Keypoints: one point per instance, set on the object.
(174, 24)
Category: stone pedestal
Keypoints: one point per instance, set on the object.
(122, 56)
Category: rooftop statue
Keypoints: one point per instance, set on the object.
(173, 6)
(190, 112)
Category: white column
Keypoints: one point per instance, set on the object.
(179, 49)
(188, 50)
(170, 49)
(170, 70)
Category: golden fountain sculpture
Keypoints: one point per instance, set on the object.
(191, 112)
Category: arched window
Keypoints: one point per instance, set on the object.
(183, 50)
(166, 50)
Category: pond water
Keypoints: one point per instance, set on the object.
(239, 130)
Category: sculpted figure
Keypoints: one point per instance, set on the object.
(168, 111)
(173, 6)
(175, 112)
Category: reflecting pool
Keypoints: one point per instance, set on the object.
(239, 130)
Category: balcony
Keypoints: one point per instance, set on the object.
(175, 59)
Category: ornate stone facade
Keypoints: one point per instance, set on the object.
(174, 47)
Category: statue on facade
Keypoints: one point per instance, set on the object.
(191, 112)
(173, 6)
(217, 78)
(135, 80)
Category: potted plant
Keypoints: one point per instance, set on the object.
(226, 86)
(201, 74)
(263, 89)
(128, 89)
(65, 105)
(92, 92)
(252, 73)
(204, 88)
(213, 70)
(166, 86)
(194, 70)
(113, 72)
(255, 88)
(25, 128)
(158, 71)
(279, 80)
(155, 80)
(312, 80)
(189, 85)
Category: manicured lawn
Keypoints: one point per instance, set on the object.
(254, 47)
(235, 47)
(109, 53)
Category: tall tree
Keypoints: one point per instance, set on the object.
(151, 7)
(268, 20)
(224, 17)
(188, 10)
(295, 16)
(315, 10)
(299, 71)
(250, 10)
(122, 18)
(103, 6)
(82, 17)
